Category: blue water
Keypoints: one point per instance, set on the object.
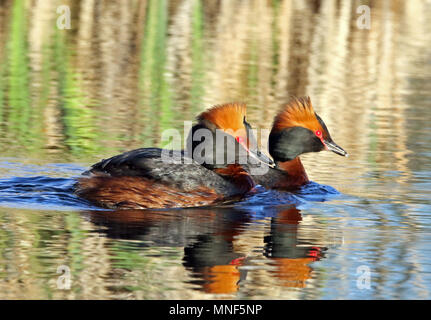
(311, 244)
(45, 192)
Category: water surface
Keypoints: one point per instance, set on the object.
(122, 75)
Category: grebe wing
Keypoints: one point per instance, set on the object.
(169, 167)
(135, 162)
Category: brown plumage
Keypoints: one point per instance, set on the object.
(237, 175)
(298, 112)
(229, 116)
(296, 130)
(142, 179)
(140, 193)
(133, 192)
(295, 175)
(137, 192)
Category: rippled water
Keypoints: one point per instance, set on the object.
(122, 75)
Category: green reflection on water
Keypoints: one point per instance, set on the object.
(198, 77)
(18, 86)
(156, 95)
(79, 113)
(2, 90)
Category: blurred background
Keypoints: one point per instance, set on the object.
(125, 72)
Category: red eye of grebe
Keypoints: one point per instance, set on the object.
(241, 141)
(318, 133)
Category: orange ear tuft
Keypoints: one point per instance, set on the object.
(229, 116)
(298, 112)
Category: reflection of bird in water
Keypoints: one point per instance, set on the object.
(291, 256)
(219, 269)
(171, 227)
(156, 178)
(208, 236)
(214, 263)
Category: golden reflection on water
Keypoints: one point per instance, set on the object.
(123, 74)
(147, 66)
(206, 249)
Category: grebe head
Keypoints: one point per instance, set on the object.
(219, 132)
(297, 129)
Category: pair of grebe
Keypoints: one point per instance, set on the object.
(144, 178)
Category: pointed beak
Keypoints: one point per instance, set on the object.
(258, 155)
(332, 146)
(255, 153)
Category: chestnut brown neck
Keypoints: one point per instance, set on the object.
(297, 175)
(288, 175)
(238, 176)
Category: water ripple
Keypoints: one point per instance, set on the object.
(40, 192)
